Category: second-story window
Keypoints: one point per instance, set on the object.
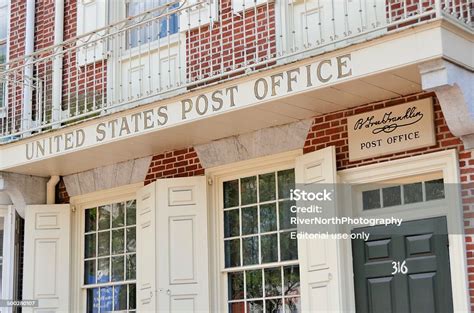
(161, 24)
(3, 45)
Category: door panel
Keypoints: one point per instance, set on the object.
(47, 254)
(182, 244)
(422, 286)
(320, 270)
(426, 287)
(146, 249)
(381, 288)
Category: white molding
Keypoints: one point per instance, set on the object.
(445, 162)
(270, 161)
(216, 175)
(103, 196)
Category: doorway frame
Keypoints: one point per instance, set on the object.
(445, 162)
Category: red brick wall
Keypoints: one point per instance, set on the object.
(247, 37)
(400, 9)
(44, 24)
(16, 50)
(178, 163)
(70, 19)
(17, 28)
(61, 193)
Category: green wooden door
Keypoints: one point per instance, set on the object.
(426, 285)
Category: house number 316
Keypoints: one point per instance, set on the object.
(399, 267)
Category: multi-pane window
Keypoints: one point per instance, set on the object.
(159, 27)
(110, 257)
(261, 259)
(3, 45)
(389, 196)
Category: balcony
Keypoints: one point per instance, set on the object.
(181, 46)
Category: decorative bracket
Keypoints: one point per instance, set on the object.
(453, 86)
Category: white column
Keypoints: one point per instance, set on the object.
(57, 61)
(28, 72)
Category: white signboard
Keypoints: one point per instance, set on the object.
(393, 129)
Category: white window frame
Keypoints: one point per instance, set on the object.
(120, 65)
(441, 164)
(79, 204)
(120, 11)
(218, 175)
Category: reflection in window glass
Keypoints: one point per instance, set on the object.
(403, 194)
(265, 290)
(250, 250)
(157, 28)
(371, 199)
(413, 193)
(231, 193)
(249, 220)
(434, 189)
(257, 233)
(391, 196)
(110, 257)
(248, 190)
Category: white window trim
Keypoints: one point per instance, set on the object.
(79, 204)
(167, 47)
(217, 175)
(445, 162)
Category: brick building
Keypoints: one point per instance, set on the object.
(151, 152)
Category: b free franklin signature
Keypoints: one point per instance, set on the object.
(389, 122)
